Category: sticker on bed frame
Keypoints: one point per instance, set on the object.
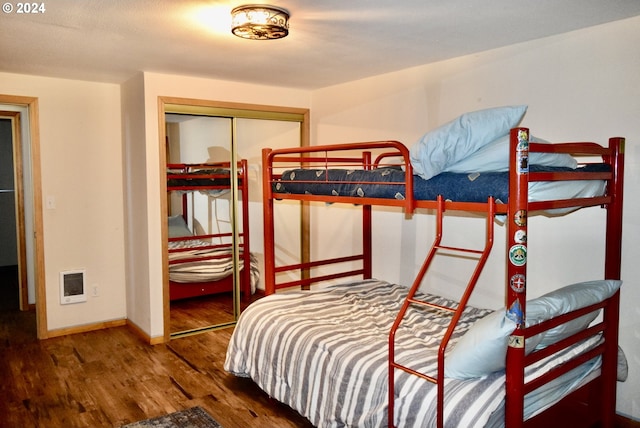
(516, 341)
(520, 237)
(523, 141)
(518, 255)
(514, 313)
(520, 218)
(518, 282)
(522, 162)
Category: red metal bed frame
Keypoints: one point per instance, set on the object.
(185, 172)
(594, 403)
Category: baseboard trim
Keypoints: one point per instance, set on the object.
(143, 335)
(106, 324)
(85, 328)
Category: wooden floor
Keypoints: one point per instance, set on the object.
(200, 312)
(110, 377)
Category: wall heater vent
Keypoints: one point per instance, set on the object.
(72, 288)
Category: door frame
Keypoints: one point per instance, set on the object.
(35, 180)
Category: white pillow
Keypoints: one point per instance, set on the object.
(178, 227)
(450, 143)
(483, 348)
(567, 299)
(495, 157)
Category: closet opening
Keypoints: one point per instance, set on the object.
(213, 249)
(14, 293)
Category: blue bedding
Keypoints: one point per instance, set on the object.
(383, 183)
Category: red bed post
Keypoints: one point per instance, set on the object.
(269, 244)
(614, 212)
(367, 240)
(246, 253)
(613, 260)
(367, 253)
(517, 272)
(185, 207)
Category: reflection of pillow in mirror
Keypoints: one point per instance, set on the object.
(495, 157)
(450, 143)
(178, 227)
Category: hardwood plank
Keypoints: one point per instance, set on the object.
(204, 311)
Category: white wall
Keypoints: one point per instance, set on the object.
(135, 207)
(81, 159)
(583, 85)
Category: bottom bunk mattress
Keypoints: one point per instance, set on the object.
(216, 264)
(325, 354)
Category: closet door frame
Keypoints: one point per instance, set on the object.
(221, 109)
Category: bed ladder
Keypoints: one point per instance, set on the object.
(482, 256)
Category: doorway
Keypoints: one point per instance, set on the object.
(21, 180)
(242, 130)
(13, 286)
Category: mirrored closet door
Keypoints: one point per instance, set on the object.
(214, 222)
(200, 220)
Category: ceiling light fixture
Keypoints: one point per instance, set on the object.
(259, 22)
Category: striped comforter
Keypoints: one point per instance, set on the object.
(325, 354)
(205, 270)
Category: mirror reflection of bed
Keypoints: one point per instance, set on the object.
(199, 145)
(202, 270)
(200, 229)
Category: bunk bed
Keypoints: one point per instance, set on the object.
(202, 264)
(369, 353)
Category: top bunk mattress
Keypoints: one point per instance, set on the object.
(199, 178)
(385, 182)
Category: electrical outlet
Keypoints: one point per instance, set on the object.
(94, 290)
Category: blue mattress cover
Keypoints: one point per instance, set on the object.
(382, 183)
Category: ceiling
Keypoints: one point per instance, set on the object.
(329, 42)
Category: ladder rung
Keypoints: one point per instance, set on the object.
(462, 250)
(413, 372)
(432, 305)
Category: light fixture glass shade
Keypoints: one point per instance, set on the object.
(259, 22)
